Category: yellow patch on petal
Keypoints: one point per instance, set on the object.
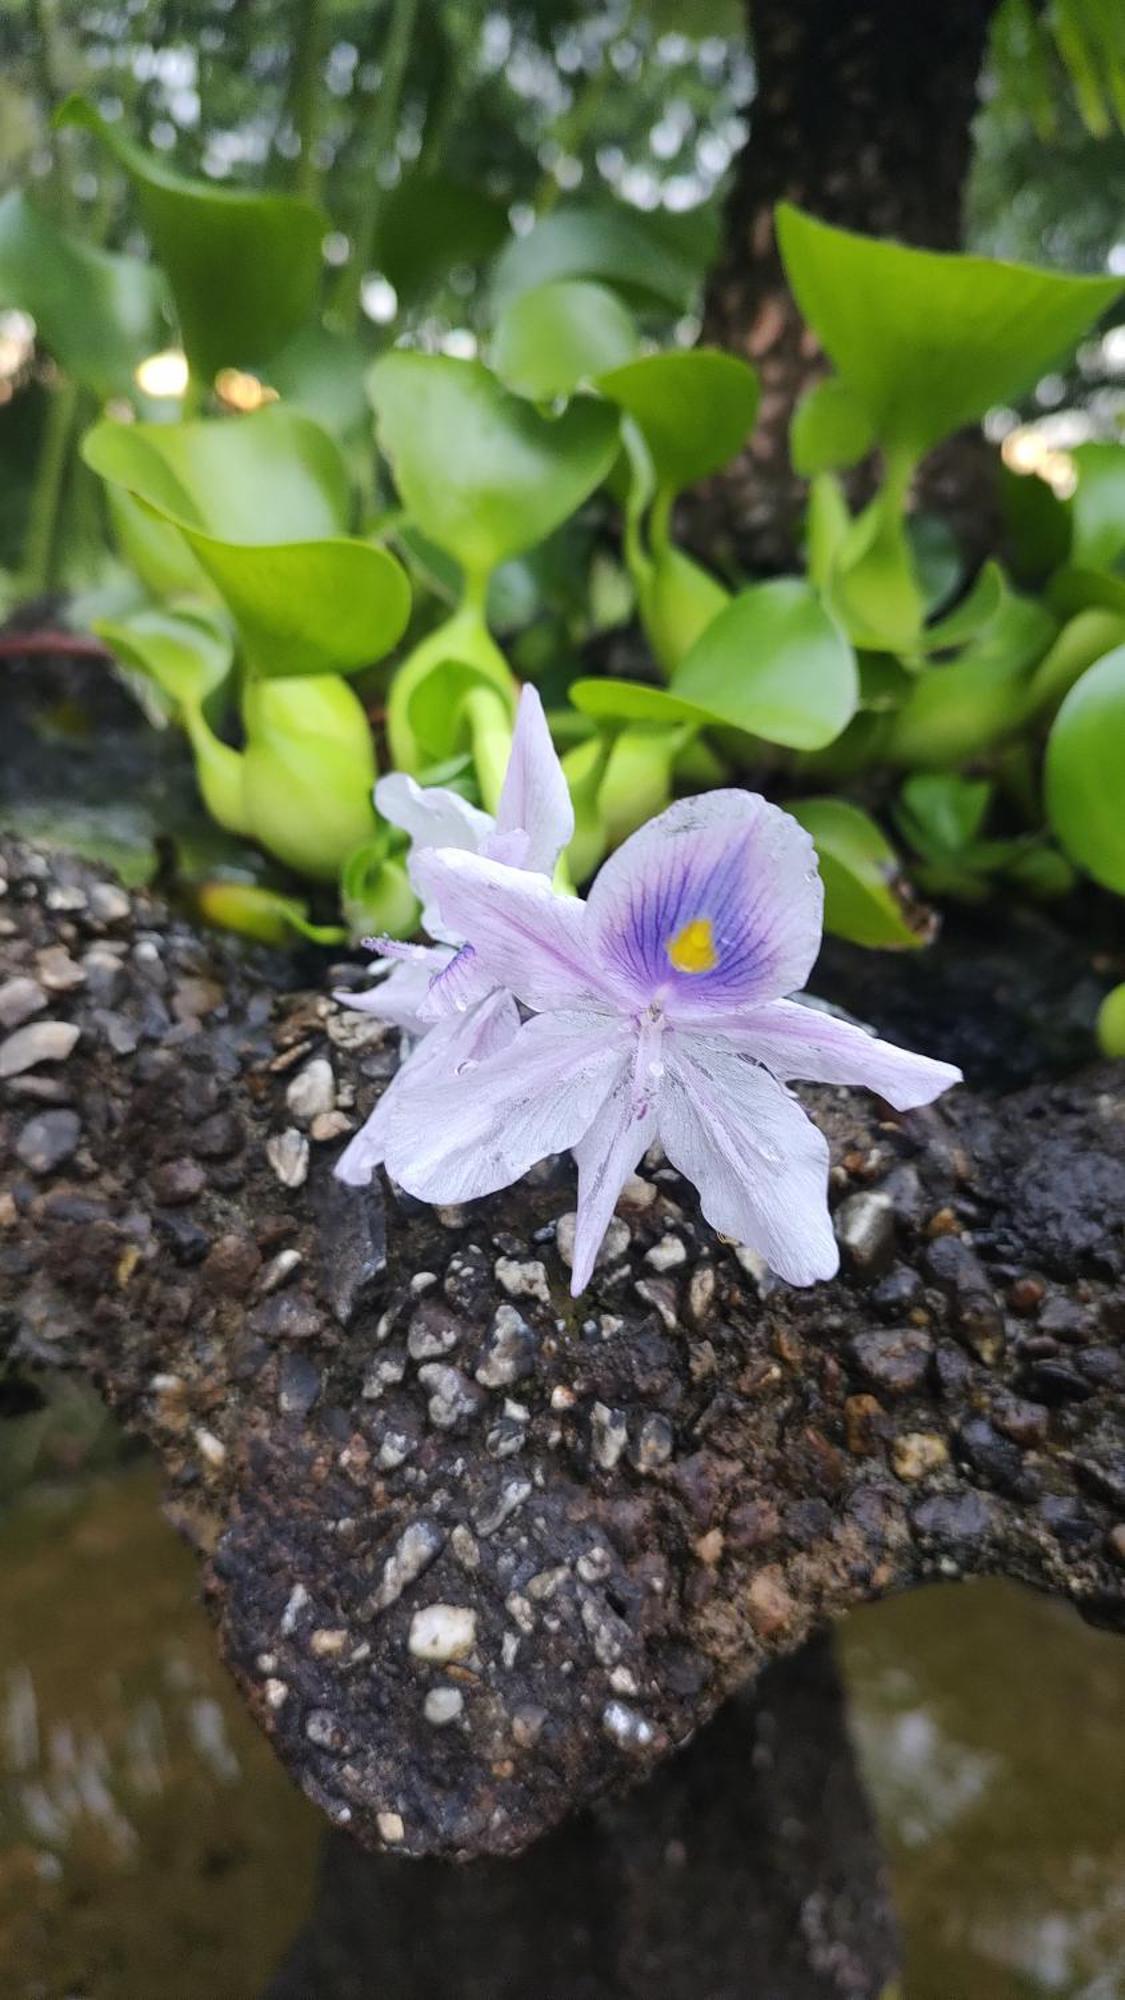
(693, 947)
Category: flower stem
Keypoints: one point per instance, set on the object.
(384, 129)
(303, 106)
(41, 545)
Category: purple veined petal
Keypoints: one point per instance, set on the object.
(461, 985)
(527, 938)
(797, 1041)
(623, 1129)
(430, 814)
(759, 1164)
(398, 996)
(714, 905)
(535, 796)
(478, 1126)
(467, 1038)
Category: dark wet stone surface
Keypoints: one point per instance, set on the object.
(614, 1510)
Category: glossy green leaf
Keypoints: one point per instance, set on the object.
(938, 562)
(430, 224)
(957, 710)
(831, 429)
(773, 664)
(1097, 506)
(549, 340)
(188, 655)
(968, 619)
(611, 242)
(1085, 772)
(927, 341)
(1111, 1023)
(1037, 524)
(694, 408)
(637, 781)
(244, 268)
(1084, 638)
(1072, 590)
(262, 914)
(866, 899)
(480, 470)
(873, 587)
(98, 314)
(941, 812)
(261, 502)
(677, 599)
(465, 641)
(308, 771)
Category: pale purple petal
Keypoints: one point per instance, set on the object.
(479, 1126)
(623, 1129)
(713, 906)
(535, 795)
(510, 848)
(398, 996)
(430, 814)
(526, 937)
(474, 1037)
(796, 1041)
(461, 985)
(760, 1166)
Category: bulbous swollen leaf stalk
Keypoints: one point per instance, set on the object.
(308, 771)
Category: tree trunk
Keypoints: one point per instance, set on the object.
(862, 114)
(748, 1866)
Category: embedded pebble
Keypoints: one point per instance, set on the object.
(509, 1350)
(391, 1827)
(20, 998)
(278, 1270)
(442, 1632)
(522, 1280)
(917, 1453)
(443, 1705)
(312, 1091)
(417, 1547)
(897, 1361)
(434, 1331)
(667, 1255)
(43, 1041)
(653, 1447)
(298, 1385)
(46, 1141)
(614, 1243)
(109, 903)
(608, 1435)
(453, 1398)
(865, 1229)
(176, 1182)
(660, 1293)
(288, 1155)
(627, 1726)
(329, 1125)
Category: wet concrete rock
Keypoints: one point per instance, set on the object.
(477, 1552)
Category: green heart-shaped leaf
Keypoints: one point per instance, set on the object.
(429, 224)
(831, 429)
(677, 600)
(480, 470)
(694, 409)
(608, 241)
(1097, 506)
(261, 502)
(187, 654)
(244, 268)
(773, 663)
(928, 341)
(97, 314)
(549, 340)
(940, 812)
(1084, 781)
(957, 710)
(866, 899)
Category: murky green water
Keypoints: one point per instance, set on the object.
(151, 1849)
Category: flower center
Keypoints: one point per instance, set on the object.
(693, 947)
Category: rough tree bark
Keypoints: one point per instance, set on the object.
(612, 1513)
(862, 113)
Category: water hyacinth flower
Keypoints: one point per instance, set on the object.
(534, 822)
(657, 1013)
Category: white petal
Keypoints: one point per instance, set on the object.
(726, 880)
(397, 997)
(759, 1164)
(796, 1041)
(479, 1126)
(430, 814)
(535, 794)
(623, 1129)
(464, 1038)
(527, 938)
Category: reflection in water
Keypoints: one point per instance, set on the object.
(151, 1848)
(990, 1727)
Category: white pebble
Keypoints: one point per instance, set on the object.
(442, 1632)
(312, 1091)
(288, 1155)
(443, 1705)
